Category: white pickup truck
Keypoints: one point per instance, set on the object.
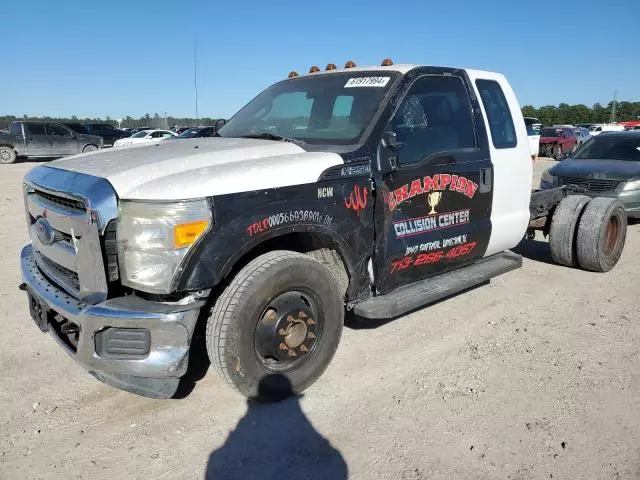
(376, 190)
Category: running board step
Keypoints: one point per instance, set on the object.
(410, 297)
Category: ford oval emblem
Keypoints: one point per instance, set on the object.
(44, 231)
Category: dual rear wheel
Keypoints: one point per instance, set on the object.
(589, 233)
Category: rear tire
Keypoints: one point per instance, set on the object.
(557, 153)
(275, 328)
(7, 155)
(89, 148)
(601, 234)
(563, 231)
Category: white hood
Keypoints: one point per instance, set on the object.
(200, 167)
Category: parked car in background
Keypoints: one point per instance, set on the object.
(582, 134)
(145, 136)
(108, 132)
(597, 129)
(607, 166)
(44, 139)
(557, 142)
(533, 123)
(534, 142)
(198, 132)
(138, 129)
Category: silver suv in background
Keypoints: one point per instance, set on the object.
(44, 139)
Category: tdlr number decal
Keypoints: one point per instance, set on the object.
(433, 257)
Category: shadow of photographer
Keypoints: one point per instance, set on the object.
(276, 440)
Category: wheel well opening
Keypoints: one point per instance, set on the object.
(301, 242)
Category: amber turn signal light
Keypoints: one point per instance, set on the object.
(187, 233)
(387, 62)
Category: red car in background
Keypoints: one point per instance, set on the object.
(557, 142)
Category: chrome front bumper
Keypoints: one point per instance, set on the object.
(170, 327)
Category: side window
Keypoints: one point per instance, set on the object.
(503, 132)
(15, 129)
(35, 128)
(435, 116)
(55, 129)
(158, 135)
(342, 106)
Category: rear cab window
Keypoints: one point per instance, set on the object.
(503, 132)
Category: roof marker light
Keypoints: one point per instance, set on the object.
(387, 62)
(349, 64)
(314, 69)
(331, 66)
(293, 74)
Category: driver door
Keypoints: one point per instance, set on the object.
(434, 208)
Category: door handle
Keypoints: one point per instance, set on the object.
(485, 180)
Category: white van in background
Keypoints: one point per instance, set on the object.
(604, 127)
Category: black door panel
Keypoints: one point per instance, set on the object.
(434, 208)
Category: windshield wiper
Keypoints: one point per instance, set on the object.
(271, 136)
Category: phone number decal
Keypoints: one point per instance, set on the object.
(433, 257)
(283, 218)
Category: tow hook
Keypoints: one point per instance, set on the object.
(23, 287)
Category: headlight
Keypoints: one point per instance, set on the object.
(154, 238)
(631, 185)
(548, 178)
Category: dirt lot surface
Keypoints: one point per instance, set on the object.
(534, 376)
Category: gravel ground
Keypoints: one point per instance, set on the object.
(536, 375)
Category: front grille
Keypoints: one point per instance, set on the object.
(75, 205)
(110, 249)
(81, 258)
(59, 272)
(591, 184)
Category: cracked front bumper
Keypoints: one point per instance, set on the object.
(152, 371)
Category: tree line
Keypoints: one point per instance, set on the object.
(574, 114)
(155, 121)
(548, 115)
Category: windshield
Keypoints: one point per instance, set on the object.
(331, 108)
(141, 134)
(531, 131)
(611, 147)
(550, 132)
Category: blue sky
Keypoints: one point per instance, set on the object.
(121, 58)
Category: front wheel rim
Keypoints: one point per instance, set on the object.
(288, 331)
(5, 155)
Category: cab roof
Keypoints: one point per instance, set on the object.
(402, 68)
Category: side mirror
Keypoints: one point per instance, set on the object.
(389, 140)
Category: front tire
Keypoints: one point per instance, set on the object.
(89, 148)
(281, 316)
(7, 155)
